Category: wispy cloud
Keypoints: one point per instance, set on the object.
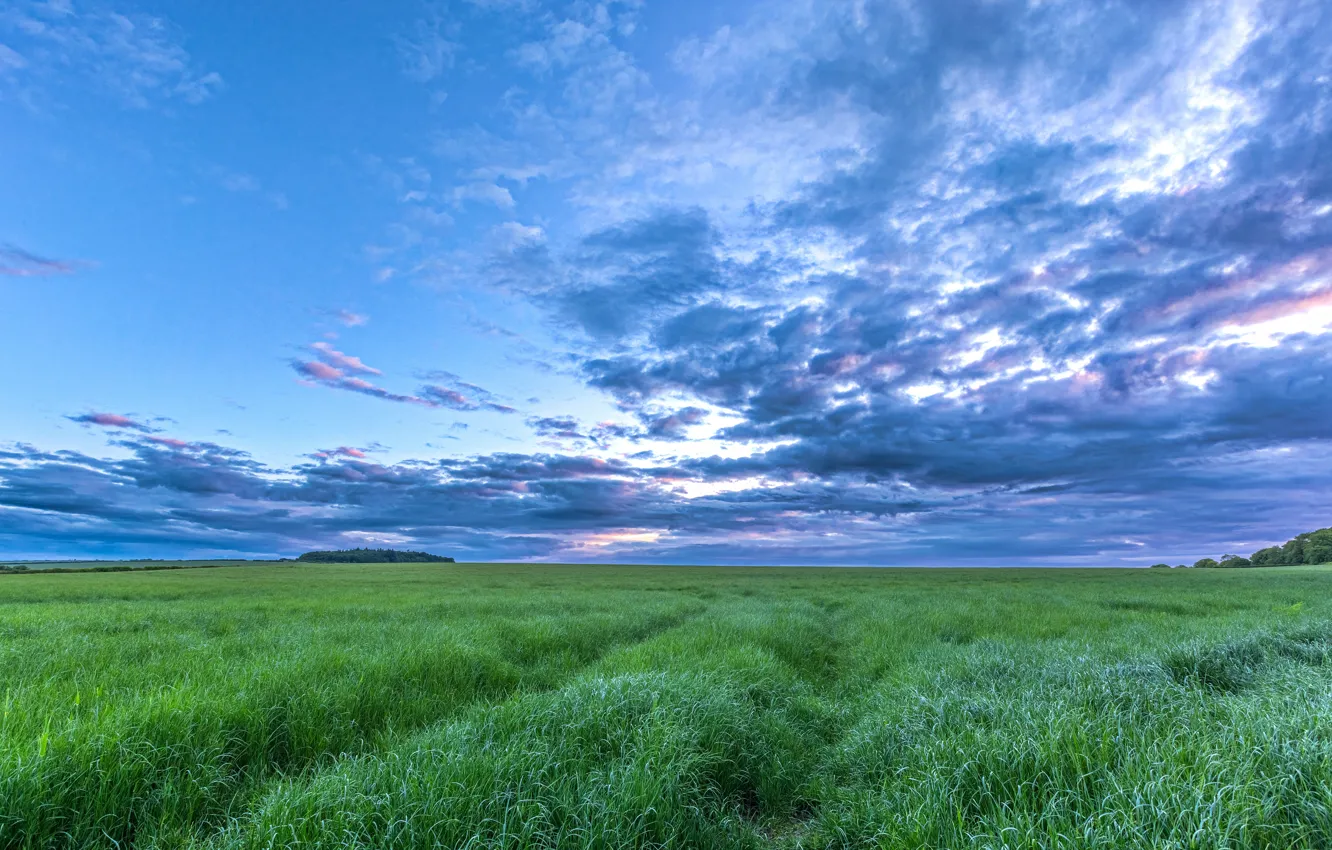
(339, 452)
(429, 48)
(350, 319)
(16, 262)
(452, 391)
(337, 370)
(342, 362)
(323, 374)
(136, 57)
(113, 420)
(240, 182)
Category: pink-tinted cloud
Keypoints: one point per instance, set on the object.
(350, 319)
(326, 375)
(341, 361)
(1282, 308)
(16, 262)
(340, 451)
(316, 371)
(170, 442)
(1248, 287)
(446, 397)
(111, 420)
(338, 370)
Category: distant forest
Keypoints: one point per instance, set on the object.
(1313, 547)
(373, 556)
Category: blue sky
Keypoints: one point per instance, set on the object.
(946, 282)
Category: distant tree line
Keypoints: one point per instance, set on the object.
(373, 556)
(1313, 547)
(24, 569)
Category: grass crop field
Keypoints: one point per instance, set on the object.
(472, 706)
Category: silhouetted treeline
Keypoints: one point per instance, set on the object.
(26, 570)
(373, 556)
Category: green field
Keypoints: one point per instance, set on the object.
(472, 706)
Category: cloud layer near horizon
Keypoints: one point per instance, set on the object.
(936, 282)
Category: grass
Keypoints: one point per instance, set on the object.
(471, 706)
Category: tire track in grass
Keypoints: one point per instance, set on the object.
(698, 737)
(178, 764)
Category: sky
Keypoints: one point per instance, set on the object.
(794, 282)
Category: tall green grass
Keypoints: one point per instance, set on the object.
(603, 707)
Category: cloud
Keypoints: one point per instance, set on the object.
(240, 182)
(562, 427)
(441, 396)
(173, 495)
(111, 420)
(452, 391)
(16, 262)
(951, 282)
(490, 193)
(344, 363)
(1036, 265)
(339, 452)
(429, 49)
(11, 59)
(337, 370)
(672, 426)
(350, 319)
(137, 58)
(324, 373)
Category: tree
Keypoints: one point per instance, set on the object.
(1272, 556)
(1206, 563)
(1292, 551)
(372, 556)
(1311, 547)
(1160, 566)
(1318, 547)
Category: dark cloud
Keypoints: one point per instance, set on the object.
(112, 420)
(562, 427)
(168, 495)
(671, 426)
(627, 274)
(16, 262)
(1070, 313)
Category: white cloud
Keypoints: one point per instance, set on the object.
(489, 193)
(139, 58)
(428, 50)
(234, 181)
(10, 59)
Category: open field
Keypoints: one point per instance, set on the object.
(511, 706)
